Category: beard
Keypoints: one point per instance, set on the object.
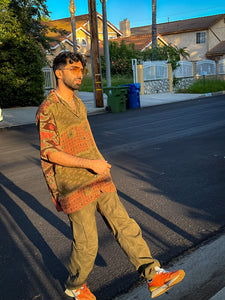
(72, 84)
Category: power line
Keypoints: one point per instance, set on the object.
(172, 17)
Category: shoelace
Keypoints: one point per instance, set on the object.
(160, 270)
(77, 292)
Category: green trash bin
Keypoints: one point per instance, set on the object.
(117, 98)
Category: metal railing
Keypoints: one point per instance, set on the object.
(205, 67)
(154, 70)
(222, 66)
(185, 69)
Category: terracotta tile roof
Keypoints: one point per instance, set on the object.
(218, 50)
(195, 24)
(62, 39)
(66, 22)
(139, 41)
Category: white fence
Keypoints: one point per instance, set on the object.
(185, 69)
(157, 80)
(222, 66)
(154, 70)
(205, 67)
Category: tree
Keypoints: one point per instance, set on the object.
(29, 14)
(22, 44)
(72, 9)
(172, 54)
(175, 54)
(154, 27)
(120, 57)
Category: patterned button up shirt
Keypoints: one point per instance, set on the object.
(63, 129)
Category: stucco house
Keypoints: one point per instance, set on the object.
(82, 34)
(142, 41)
(203, 37)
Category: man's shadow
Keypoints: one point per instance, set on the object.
(34, 204)
(54, 265)
(50, 260)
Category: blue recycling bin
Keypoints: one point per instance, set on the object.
(133, 95)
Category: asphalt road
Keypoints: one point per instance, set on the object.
(168, 166)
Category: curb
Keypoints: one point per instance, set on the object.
(219, 296)
(1, 117)
(14, 123)
(204, 267)
(212, 94)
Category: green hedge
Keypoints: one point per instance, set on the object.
(202, 86)
(21, 75)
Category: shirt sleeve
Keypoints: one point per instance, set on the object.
(49, 137)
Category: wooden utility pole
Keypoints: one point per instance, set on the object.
(95, 56)
(72, 10)
(106, 43)
(154, 27)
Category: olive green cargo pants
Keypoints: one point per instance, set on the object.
(85, 239)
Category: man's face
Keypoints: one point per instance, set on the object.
(72, 75)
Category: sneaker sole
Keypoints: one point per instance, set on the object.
(164, 288)
(73, 296)
(70, 293)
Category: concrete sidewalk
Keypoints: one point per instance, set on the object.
(26, 115)
(204, 279)
(204, 267)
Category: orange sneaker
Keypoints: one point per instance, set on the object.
(81, 294)
(163, 281)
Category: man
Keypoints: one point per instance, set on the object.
(79, 180)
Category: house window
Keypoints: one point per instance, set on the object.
(84, 42)
(200, 38)
(112, 37)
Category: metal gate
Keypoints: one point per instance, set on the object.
(48, 80)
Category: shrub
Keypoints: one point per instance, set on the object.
(21, 76)
(120, 58)
(121, 66)
(202, 86)
(22, 44)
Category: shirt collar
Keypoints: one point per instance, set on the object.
(64, 102)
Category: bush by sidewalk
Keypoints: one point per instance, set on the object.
(202, 86)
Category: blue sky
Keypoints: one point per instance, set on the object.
(139, 12)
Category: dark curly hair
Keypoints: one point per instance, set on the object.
(61, 60)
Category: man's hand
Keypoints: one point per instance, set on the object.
(100, 166)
